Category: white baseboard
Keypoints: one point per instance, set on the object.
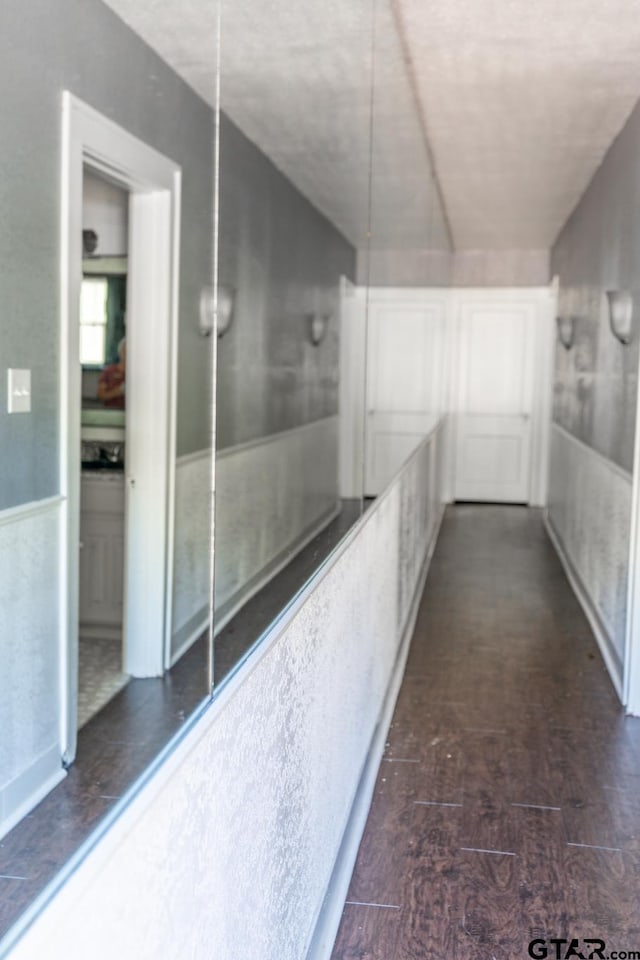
(599, 631)
(328, 922)
(22, 794)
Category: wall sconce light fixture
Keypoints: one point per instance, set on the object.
(89, 242)
(566, 327)
(225, 307)
(620, 314)
(318, 326)
(226, 304)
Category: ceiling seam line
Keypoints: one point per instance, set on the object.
(397, 16)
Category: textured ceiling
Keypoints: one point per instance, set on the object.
(519, 102)
(522, 99)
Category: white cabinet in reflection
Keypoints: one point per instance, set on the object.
(101, 552)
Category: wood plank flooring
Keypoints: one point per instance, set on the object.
(507, 805)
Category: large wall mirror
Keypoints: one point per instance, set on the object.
(201, 201)
(114, 137)
(108, 161)
(294, 197)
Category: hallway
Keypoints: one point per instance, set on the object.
(507, 806)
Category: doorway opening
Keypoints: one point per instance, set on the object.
(125, 526)
(103, 329)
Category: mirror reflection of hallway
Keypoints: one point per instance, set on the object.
(102, 319)
(77, 110)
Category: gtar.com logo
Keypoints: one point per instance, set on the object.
(557, 948)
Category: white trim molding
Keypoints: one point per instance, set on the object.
(154, 185)
(32, 509)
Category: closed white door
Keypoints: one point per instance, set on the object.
(493, 425)
(405, 380)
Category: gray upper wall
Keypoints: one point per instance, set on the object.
(599, 249)
(81, 46)
(284, 259)
(458, 268)
(404, 268)
(500, 268)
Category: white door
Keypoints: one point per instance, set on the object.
(405, 381)
(493, 428)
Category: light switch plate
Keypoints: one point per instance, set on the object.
(19, 390)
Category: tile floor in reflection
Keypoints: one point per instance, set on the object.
(100, 674)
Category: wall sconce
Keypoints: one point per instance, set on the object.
(226, 303)
(620, 314)
(318, 326)
(566, 327)
(89, 242)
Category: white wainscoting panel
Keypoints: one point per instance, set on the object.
(259, 794)
(590, 513)
(421, 496)
(270, 496)
(30, 752)
(192, 549)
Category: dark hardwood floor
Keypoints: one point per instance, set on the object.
(507, 806)
(118, 743)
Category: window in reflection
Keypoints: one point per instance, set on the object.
(93, 322)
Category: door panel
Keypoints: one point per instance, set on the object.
(495, 402)
(496, 370)
(493, 459)
(405, 378)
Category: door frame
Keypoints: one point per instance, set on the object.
(154, 185)
(631, 665)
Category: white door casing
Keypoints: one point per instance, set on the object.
(495, 400)
(150, 423)
(405, 378)
(154, 184)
